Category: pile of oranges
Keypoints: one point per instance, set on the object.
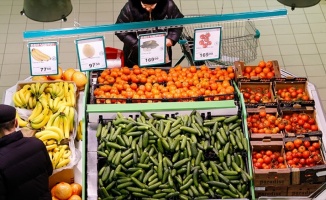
(66, 191)
(154, 84)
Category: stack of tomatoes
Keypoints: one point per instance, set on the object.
(268, 160)
(263, 70)
(256, 94)
(303, 153)
(262, 122)
(297, 123)
(292, 94)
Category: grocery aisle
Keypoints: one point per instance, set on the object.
(298, 42)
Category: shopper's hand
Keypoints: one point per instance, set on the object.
(168, 42)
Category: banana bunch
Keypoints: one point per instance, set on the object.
(38, 88)
(55, 104)
(21, 122)
(79, 136)
(60, 156)
(56, 90)
(39, 55)
(50, 133)
(23, 98)
(40, 115)
(63, 119)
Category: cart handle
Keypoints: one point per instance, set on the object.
(257, 35)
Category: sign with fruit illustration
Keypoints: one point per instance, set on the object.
(207, 43)
(152, 49)
(43, 58)
(91, 54)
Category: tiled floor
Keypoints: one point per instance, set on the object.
(297, 41)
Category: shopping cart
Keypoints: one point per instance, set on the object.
(239, 42)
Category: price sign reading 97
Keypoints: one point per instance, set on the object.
(207, 43)
(91, 54)
(152, 49)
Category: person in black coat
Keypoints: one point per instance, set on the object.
(25, 165)
(147, 10)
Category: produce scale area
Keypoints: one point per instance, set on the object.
(200, 148)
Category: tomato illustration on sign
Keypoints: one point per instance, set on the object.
(204, 40)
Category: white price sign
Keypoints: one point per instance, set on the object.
(152, 49)
(207, 43)
(91, 54)
(43, 57)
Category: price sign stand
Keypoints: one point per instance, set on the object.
(207, 43)
(152, 49)
(91, 53)
(43, 58)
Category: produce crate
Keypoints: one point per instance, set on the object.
(66, 175)
(240, 70)
(300, 131)
(292, 85)
(270, 177)
(313, 174)
(253, 113)
(303, 189)
(271, 191)
(252, 88)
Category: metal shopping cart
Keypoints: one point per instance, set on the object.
(239, 42)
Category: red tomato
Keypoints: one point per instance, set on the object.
(316, 145)
(267, 160)
(306, 143)
(314, 128)
(280, 159)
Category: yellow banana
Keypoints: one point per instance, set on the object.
(60, 85)
(39, 55)
(63, 163)
(80, 130)
(30, 103)
(71, 118)
(38, 119)
(68, 99)
(34, 102)
(51, 104)
(71, 87)
(52, 119)
(55, 104)
(65, 88)
(21, 122)
(55, 159)
(50, 147)
(67, 153)
(61, 93)
(37, 89)
(17, 101)
(33, 89)
(43, 100)
(27, 87)
(41, 124)
(42, 88)
(73, 98)
(50, 155)
(50, 142)
(56, 130)
(36, 111)
(49, 135)
(21, 94)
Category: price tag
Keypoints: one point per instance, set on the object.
(207, 43)
(91, 54)
(43, 57)
(152, 49)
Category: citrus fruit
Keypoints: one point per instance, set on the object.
(76, 188)
(57, 76)
(67, 74)
(80, 79)
(63, 190)
(39, 78)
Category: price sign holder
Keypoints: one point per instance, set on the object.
(152, 49)
(91, 53)
(207, 43)
(43, 58)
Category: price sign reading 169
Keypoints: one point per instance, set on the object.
(152, 59)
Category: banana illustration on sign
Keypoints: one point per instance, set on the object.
(39, 55)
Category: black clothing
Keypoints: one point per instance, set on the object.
(134, 12)
(7, 113)
(25, 167)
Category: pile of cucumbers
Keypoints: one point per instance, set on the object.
(162, 157)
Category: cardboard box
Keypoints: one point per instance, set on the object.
(259, 136)
(66, 175)
(258, 86)
(240, 67)
(303, 189)
(270, 177)
(270, 191)
(315, 174)
(297, 82)
(310, 111)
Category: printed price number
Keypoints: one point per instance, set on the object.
(92, 65)
(207, 54)
(152, 59)
(44, 69)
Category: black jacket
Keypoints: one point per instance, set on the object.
(25, 167)
(134, 12)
